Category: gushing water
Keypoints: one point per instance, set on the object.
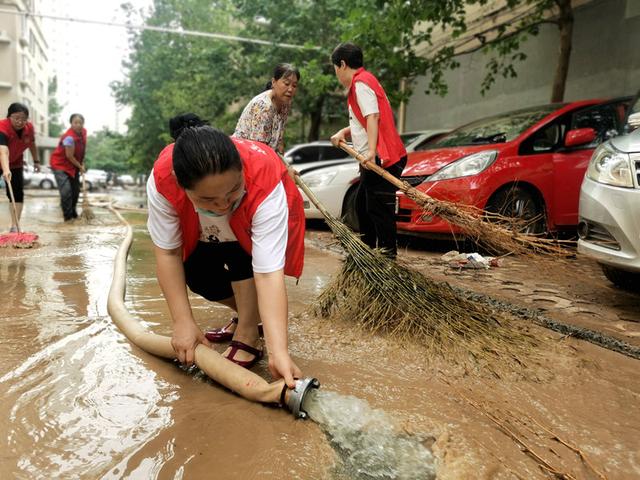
(369, 444)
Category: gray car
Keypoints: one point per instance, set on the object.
(609, 227)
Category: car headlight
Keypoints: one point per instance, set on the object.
(466, 166)
(610, 166)
(319, 179)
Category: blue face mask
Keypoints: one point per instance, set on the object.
(209, 213)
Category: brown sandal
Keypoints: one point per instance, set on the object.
(221, 335)
(235, 346)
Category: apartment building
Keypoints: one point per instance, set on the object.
(24, 69)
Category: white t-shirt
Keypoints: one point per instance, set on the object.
(269, 227)
(368, 103)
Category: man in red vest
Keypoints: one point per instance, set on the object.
(16, 135)
(373, 133)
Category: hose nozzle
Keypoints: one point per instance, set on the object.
(296, 396)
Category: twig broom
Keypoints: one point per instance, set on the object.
(87, 213)
(382, 295)
(486, 229)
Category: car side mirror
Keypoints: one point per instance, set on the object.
(579, 136)
(634, 120)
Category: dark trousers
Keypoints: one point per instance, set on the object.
(212, 267)
(69, 188)
(375, 205)
(17, 185)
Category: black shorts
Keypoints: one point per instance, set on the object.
(17, 184)
(212, 267)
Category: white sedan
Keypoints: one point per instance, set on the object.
(336, 186)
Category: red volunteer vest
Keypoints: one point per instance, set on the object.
(262, 170)
(59, 159)
(390, 147)
(17, 145)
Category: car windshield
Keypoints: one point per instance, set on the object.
(407, 138)
(498, 129)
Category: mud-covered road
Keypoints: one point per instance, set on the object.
(78, 401)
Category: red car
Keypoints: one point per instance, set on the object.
(527, 164)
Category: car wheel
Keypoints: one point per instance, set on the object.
(522, 205)
(89, 185)
(622, 278)
(46, 184)
(349, 213)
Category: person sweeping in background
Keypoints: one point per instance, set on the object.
(264, 120)
(374, 135)
(228, 222)
(67, 161)
(265, 117)
(16, 135)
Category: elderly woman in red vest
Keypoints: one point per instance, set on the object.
(228, 222)
(16, 135)
(67, 161)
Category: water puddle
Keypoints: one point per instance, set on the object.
(368, 443)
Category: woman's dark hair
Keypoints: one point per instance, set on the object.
(350, 53)
(200, 151)
(74, 115)
(17, 108)
(178, 123)
(283, 70)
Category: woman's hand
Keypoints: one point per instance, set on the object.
(186, 337)
(281, 366)
(7, 175)
(338, 137)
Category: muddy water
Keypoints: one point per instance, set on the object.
(77, 400)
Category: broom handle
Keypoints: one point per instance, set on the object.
(14, 212)
(84, 190)
(379, 170)
(307, 191)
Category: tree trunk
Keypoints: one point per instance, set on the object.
(565, 24)
(316, 121)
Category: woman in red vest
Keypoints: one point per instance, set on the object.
(228, 222)
(374, 135)
(16, 135)
(67, 160)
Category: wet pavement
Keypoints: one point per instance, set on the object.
(79, 401)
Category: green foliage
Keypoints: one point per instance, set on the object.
(108, 151)
(56, 127)
(399, 33)
(170, 74)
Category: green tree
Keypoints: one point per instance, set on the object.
(316, 25)
(108, 150)
(170, 74)
(398, 30)
(56, 127)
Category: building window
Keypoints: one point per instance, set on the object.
(32, 44)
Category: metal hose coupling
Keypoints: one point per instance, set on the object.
(297, 394)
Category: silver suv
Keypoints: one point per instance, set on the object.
(609, 227)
